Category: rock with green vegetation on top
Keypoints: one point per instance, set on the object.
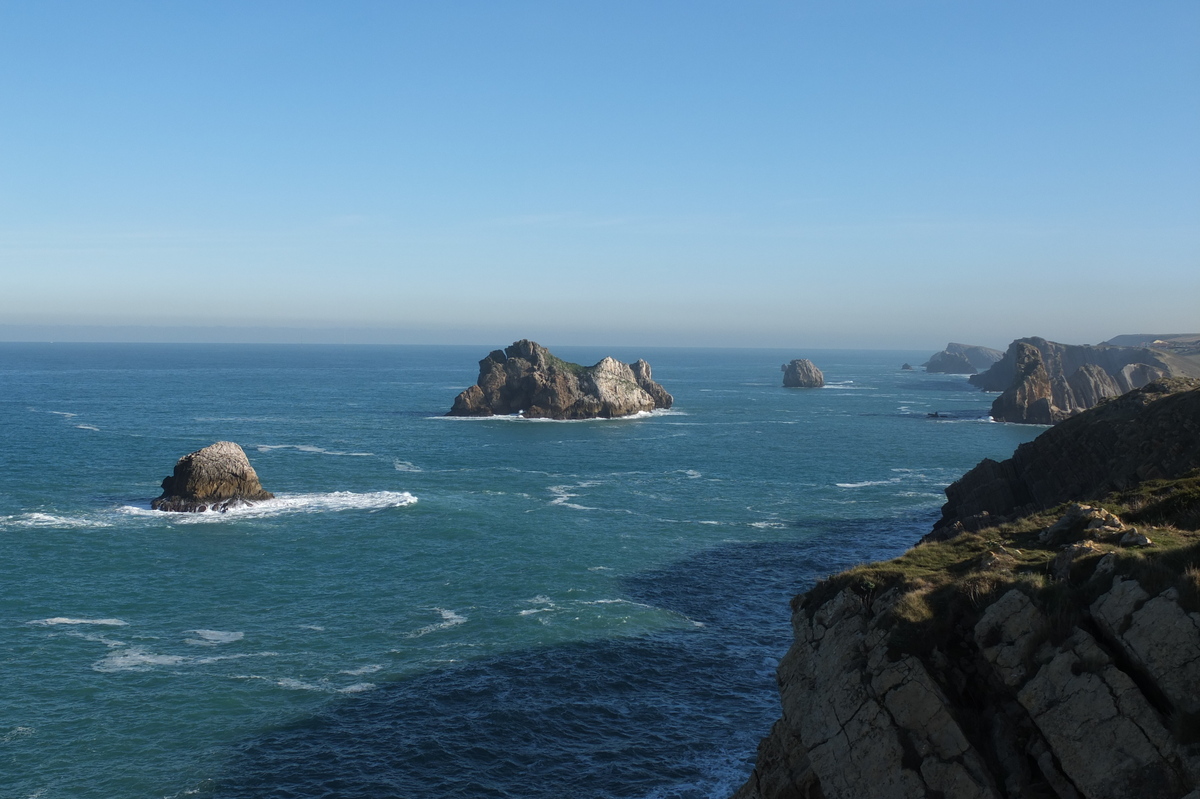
(526, 379)
(1033, 653)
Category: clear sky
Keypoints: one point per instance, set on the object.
(859, 174)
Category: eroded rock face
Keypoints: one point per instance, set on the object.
(1044, 382)
(1150, 433)
(802, 373)
(950, 363)
(217, 477)
(526, 379)
(1008, 713)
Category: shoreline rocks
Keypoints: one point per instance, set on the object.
(1017, 662)
(1044, 382)
(216, 477)
(1147, 434)
(802, 373)
(527, 379)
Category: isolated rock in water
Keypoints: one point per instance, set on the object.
(527, 379)
(217, 477)
(906, 367)
(801, 373)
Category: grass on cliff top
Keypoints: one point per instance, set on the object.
(566, 366)
(943, 587)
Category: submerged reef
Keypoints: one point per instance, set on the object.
(217, 477)
(1049, 648)
(527, 379)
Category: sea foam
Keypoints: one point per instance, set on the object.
(68, 620)
(285, 504)
(213, 637)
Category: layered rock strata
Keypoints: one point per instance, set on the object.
(1147, 434)
(802, 373)
(1043, 382)
(527, 379)
(217, 477)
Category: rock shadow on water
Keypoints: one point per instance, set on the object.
(617, 718)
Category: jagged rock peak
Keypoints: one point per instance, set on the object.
(802, 373)
(1044, 382)
(217, 477)
(526, 379)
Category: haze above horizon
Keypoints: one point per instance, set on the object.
(775, 174)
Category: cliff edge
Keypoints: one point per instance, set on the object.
(1044, 382)
(1055, 654)
(526, 378)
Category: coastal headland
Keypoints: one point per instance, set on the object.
(1045, 643)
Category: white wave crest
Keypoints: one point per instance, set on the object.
(449, 619)
(49, 520)
(563, 495)
(213, 637)
(517, 417)
(313, 449)
(88, 427)
(405, 466)
(866, 483)
(135, 659)
(68, 620)
(284, 504)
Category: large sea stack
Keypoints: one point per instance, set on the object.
(527, 379)
(217, 477)
(802, 373)
(1053, 652)
(1044, 382)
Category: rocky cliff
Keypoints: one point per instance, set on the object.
(1054, 655)
(802, 373)
(962, 359)
(526, 378)
(1044, 382)
(1151, 433)
(217, 477)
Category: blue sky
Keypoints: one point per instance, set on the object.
(823, 174)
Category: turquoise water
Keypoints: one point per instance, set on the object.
(433, 606)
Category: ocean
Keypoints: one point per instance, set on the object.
(432, 606)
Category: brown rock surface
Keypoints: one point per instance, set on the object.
(1044, 382)
(217, 477)
(526, 378)
(1150, 433)
(802, 373)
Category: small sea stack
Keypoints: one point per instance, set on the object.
(217, 477)
(527, 379)
(801, 373)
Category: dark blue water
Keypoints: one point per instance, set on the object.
(433, 607)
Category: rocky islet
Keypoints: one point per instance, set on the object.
(217, 477)
(526, 379)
